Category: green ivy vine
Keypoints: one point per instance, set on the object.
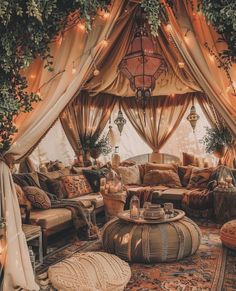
(27, 27)
(222, 15)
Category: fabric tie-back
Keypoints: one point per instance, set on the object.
(86, 116)
(160, 118)
(86, 49)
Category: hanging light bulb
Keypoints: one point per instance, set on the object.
(81, 26)
(120, 120)
(96, 72)
(193, 117)
(181, 65)
(104, 43)
(73, 68)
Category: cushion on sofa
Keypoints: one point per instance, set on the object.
(188, 159)
(50, 217)
(152, 166)
(26, 179)
(129, 175)
(76, 185)
(199, 177)
(22, 199)
(37, 197)
(184, 173)
(168, 178)
(56, 187)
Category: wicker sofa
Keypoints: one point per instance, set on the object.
(54, 220)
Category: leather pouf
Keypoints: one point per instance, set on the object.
(228, 234)
(91, 271)
(151, 243)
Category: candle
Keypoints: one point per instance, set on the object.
(134, 212)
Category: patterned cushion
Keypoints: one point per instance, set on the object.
(130, 175)
(152, 166)
(21, 196)
(90, 271)
(76, 185)
(199, 177)
(162, 177)
(37, 197)
(228, 234)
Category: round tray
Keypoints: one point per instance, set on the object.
(125, 215)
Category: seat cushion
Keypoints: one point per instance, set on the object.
(95, 198)
(173, 194)
(50, 217)
(91, 271)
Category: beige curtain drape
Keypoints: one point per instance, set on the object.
(190, 33)
(160, 118)
(86, 116)
(58, 88)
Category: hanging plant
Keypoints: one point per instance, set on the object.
(95, 143)
(26, 30)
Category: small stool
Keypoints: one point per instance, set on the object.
(228, 234)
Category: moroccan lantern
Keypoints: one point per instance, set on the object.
(193, 117)
(142, 65)
(120, 121)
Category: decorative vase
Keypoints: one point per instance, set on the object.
(219, 153)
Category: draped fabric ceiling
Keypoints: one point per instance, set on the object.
(182, 39)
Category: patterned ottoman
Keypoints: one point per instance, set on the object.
(228, 234)
(150, 242)
(91, 271)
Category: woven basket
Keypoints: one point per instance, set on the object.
(114, 204)
(149, 243)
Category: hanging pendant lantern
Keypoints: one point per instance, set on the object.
(193, 117)
(120, 121)
(112, 137)
(142, 65)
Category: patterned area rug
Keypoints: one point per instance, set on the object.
(212, 268)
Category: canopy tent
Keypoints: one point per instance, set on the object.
(182, 40)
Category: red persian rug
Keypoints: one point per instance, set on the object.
(212, 268)
(204, 271)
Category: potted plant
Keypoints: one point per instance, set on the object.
(216, 140)
(96, 146)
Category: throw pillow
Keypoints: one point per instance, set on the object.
(76, 185)
(168, 178)
(21, 196)
(153, 166)
(56, 187)
(199, 177)
(37, 197)
(184, 173)
(26, 179)
(188, 159)
(129, 175)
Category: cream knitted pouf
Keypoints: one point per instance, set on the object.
(91, 271)
(228, 234)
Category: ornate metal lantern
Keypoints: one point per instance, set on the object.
(193, 117)
(141, 65)
(120, 121)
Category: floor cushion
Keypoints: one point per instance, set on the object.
(228, 234)
(91, 271)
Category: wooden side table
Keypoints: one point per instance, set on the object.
(224, 204)
(114, 203)
(32, 233)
